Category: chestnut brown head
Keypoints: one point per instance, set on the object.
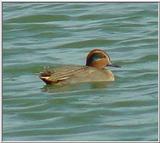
(99, 59)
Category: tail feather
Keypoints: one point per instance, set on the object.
(45, 76)
(46, 79)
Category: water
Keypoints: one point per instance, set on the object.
(41, 34)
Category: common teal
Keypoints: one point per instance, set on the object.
(93, 71)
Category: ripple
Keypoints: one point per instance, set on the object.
(37, 18)
(88, 43)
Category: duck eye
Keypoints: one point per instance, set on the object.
(96, 57)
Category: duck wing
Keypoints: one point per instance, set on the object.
(55, 75)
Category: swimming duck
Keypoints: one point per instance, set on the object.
(93, 71)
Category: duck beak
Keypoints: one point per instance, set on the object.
(113, 65)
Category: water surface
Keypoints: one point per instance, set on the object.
(52, 34)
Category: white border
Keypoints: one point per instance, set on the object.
(80, 0)
(1, 74)
(1, 124)
(158, 68)
(81, 141)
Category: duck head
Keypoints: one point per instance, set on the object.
(99, 59)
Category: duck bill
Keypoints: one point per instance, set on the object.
(113, 65)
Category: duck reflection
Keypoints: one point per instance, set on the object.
(76, 87)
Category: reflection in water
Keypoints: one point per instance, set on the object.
(75, 87)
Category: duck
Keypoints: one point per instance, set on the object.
(95, 70)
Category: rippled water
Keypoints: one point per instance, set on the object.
(41, 34)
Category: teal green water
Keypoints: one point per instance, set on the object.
(52, 34)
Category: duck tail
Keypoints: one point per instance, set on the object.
(45, 76)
